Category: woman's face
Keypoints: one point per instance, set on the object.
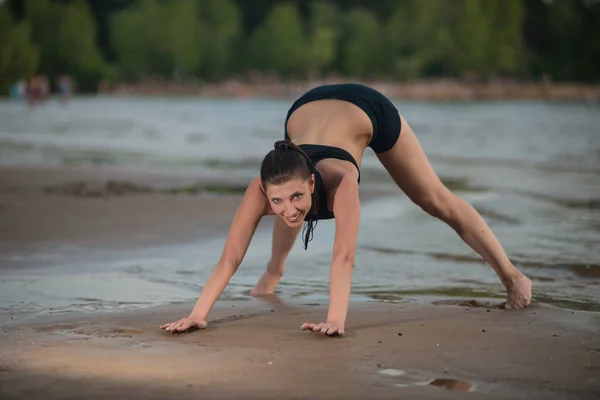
(291, 201)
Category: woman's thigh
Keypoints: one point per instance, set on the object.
(408, 165)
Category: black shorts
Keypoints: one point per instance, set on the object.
(382, 113)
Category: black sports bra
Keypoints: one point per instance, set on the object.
(316, 153)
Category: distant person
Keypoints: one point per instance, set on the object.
(44, 87)
(18, 90)
(314, 174)
(33, 91)
(65, 88)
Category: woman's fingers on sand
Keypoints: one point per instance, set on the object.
(323, 328)
(167, 326)
(183, 325)
(170, 326)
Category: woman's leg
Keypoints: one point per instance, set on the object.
(283, 240)
(407, 164)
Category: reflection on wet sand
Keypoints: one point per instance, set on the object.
(588, 203)
(587, 270)
(439, 256)
(520, 164)
(465, 292)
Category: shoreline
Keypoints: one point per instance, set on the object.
(127, 225)
(433, 90)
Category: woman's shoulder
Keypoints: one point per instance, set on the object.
(255, 194)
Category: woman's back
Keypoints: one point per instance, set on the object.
(330, 122)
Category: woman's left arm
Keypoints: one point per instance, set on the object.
(346, 208)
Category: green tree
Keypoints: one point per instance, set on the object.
(487, 37)
(182, 53)
(44, 17)
(132, 37)
(569, 50)
(157, 38)
(362, 49)
(18, 55)
(472, 37)
(324, 36)
(505, 48)
(419, 37)
(222, 28)
(213, 39)
(66, 37)
(76, 51)
(279, 45)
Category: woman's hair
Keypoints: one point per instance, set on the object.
(288, 161)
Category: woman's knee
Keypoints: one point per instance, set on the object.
(437, 203)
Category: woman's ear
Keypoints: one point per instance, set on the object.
(312, 183)
(262, 188)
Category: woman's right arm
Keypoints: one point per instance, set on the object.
(253, 207)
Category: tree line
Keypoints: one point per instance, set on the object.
(211, 40)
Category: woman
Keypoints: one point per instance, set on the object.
(314, 174)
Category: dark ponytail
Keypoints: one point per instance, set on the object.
(288, 161)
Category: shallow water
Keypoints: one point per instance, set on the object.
(532, 169)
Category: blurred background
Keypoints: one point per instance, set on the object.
(94, 44)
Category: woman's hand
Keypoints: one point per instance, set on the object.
(324, 328)
(183, 325)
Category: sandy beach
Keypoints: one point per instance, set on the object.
(394, 347)
(257, 351)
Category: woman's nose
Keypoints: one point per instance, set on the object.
(290, 210)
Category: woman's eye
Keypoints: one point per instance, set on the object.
(298, 196)
(275, 201)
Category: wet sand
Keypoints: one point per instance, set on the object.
(105, 207)
(255, 349)
(391, 350)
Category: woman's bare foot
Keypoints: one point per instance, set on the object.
(266, 284)
(518, 292)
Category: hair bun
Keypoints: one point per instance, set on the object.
(288, 145)
(284, 145)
